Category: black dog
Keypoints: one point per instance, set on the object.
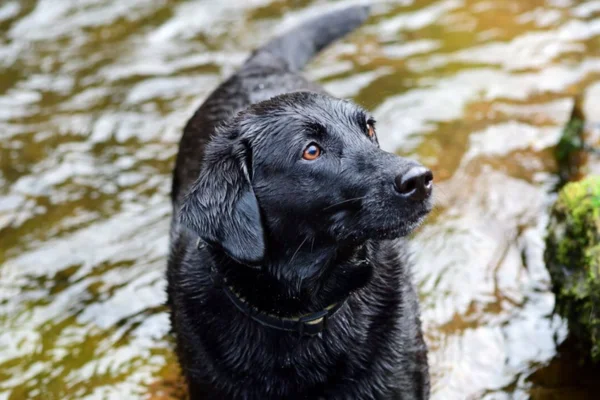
(287, 278)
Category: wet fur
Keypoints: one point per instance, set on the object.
(292, 237)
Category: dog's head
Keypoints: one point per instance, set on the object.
(303, 168)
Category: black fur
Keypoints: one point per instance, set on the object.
(292, 236)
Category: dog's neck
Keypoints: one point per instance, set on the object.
(305, 280)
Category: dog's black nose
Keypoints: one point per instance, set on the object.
(415, 184)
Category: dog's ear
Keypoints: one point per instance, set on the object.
(221, 206)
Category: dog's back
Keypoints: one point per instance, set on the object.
(270, 70)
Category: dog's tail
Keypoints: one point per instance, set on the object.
(302, 43)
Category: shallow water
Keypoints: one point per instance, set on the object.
(93, 98)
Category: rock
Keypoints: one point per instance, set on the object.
(577, 153)
(573, 259)
(570, 154)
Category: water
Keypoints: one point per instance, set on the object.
(93, 98)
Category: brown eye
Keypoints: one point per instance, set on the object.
(371, 130)
(312, 152)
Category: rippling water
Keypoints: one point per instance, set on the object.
(93, 98)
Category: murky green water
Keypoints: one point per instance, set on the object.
(93, 97)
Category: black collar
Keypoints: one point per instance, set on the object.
(308, 324)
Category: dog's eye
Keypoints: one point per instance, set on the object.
(371, 130)
(311, 152)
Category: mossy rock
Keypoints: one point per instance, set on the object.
(573, 259)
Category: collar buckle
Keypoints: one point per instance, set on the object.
(313, 324)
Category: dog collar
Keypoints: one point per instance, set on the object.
(308, 324)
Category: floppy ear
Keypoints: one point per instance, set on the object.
(221, 206)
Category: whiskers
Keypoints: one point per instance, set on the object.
(297, 250)
(345, 201)
(441, 201)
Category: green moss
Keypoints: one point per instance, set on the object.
(573, 259)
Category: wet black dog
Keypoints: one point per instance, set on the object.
(287, 276)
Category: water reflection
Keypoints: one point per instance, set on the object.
(93, 97)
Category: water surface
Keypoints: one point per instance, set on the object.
(93, 98)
